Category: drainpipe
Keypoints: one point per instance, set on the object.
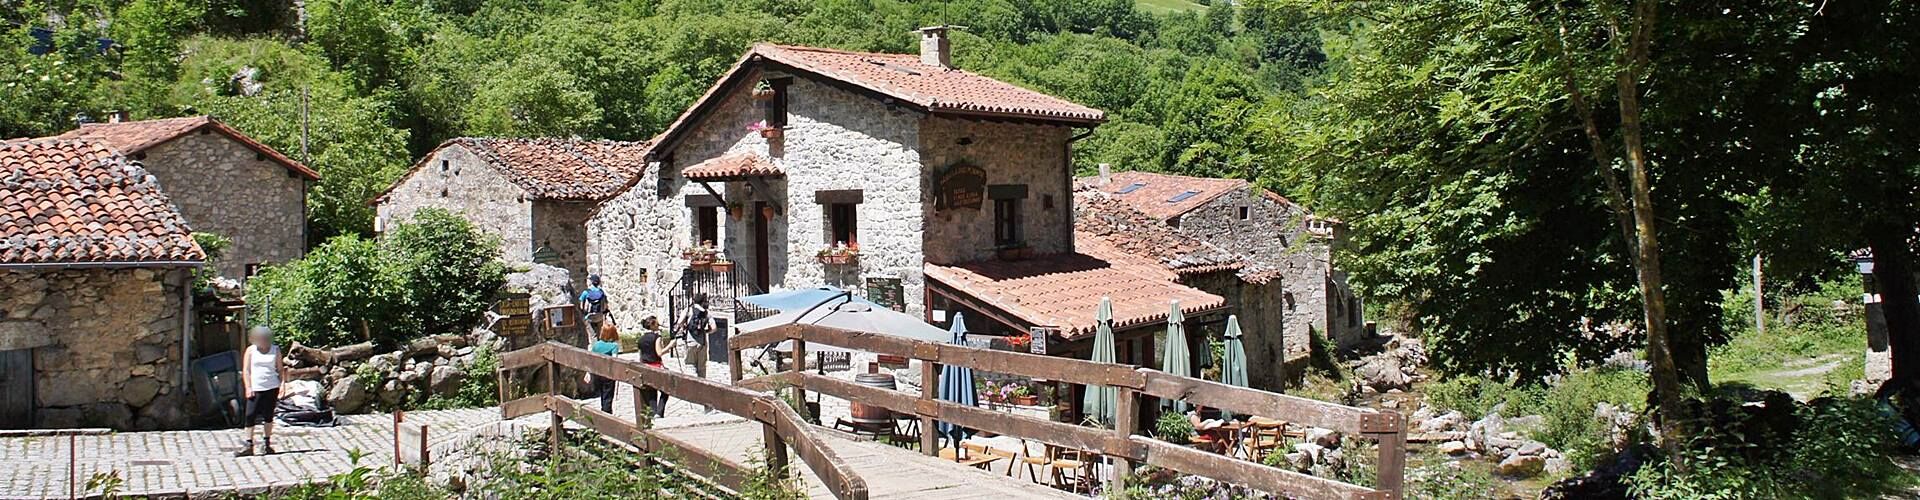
(186, 336)
(1067, 159)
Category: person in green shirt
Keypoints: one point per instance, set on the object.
(608, 344)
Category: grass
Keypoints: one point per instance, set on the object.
(1168, 6)
(1804, 356)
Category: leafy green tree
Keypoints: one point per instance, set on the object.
(450, 270)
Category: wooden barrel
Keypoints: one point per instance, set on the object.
(869, 414)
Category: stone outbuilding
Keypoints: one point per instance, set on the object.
(535, 194)
(95, 275)
(223, 182)
(1272, 231)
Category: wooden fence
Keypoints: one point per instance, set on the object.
(782, 425)
(1386, 428)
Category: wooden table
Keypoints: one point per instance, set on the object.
(981, 460)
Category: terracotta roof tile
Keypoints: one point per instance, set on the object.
(733, 166)
(905, 77)
(1104, 216)
(74, 201)
(1064, 290)
(136, 136)
(554, 169)
(1164, 196)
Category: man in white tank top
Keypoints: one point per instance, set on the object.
(260, 374)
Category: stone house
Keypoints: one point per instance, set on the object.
(535, 194)
(800, 151)
(95, 275)
(222, 181)
(1269, 229)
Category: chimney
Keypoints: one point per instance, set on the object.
(117, 116)
(1106, 174)
(935, 50)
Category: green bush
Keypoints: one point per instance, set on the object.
(1173, 427)
(433, 274)
(1476, 396)
(1567, 406)
(1842, 448)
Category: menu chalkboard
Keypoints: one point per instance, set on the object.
(887, 292)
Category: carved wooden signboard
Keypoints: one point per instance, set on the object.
(887, 292)
(960, 186)
(519, 319)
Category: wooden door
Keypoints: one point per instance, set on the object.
(16, 389)
(762, 258)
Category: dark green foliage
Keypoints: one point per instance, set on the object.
(1840, 448)
(434, 274)
(1173, 427)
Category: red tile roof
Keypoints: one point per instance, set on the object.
(136, 136)
(1064, 290)
(733, 166)
(1130, 230)
(901, 77)
(553, 169)
(1156, 192)
(72, 201)
(905, 77)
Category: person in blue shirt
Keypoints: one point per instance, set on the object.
(593, 303)
(609, 345)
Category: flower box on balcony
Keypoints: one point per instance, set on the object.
(721, 266)
(840, 259)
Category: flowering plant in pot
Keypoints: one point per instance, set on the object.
(721, 263)
(1023, 396)
(766, 131)
(702, 255)
(839, 254)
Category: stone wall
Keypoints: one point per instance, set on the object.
(456, 179)
(1009, 153)
(106, 344)
(1274, 355)
(1275, 234)
(222, 186)
(633, 243)
(562, 226)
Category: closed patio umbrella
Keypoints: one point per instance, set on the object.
(1176, 360)
(956, 386)
(1233, 366)
(1100, 399)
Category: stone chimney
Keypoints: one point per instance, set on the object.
(935, 50)
(1106, 174)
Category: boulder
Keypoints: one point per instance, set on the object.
(421, 346)
(1521, 466)
(1312, 451)
(1300, 461)
(545, 285)
(392, 392)
(448, 350)
(1532, 448)
(382, 364)
(446, 380)
(349, 395)
(1324, 438)
(1450, 421)
(1383, 373)
(408, 377)
(1422, 413)
(1453, 448)
(1558, 465)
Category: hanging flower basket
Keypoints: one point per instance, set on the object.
(763, 91)
(736, 212)
(767, 213)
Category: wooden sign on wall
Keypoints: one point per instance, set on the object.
(519, 318)
(960, 186)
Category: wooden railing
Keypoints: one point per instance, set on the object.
(782, 425)
(1385, 428)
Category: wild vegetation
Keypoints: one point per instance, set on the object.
(433, 274)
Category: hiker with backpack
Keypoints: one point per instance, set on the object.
(593, 303)
(698, 325)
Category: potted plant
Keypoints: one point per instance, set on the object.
(1020, 343)
(1173, 428)
(766, 131)
(1023, 396)
(763, 91)
(839, 255)
(767, 213)
(736, 210)
(700, 256)
(721, 264)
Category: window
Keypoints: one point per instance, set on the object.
(842, 223)
(777, 108)
(1046, 202)
(1006, 222)
(1131, 188)
(707, 220)
(1244, 213)
(1183, 196)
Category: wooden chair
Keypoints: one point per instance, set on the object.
(1080, 462)
(1028, 459)
(1268, 435)
(996, 453)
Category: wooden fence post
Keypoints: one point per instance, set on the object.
(1126, 416)
(553, 433)
(929, 388)
(1388, 430)
(800, 366)
(734, 369)
(776, 450)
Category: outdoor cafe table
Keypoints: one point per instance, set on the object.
(981, 460)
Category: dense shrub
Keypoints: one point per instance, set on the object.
(1568, 406)
(433, 274)
(1841, 448)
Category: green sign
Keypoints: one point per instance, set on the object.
(887, 292)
